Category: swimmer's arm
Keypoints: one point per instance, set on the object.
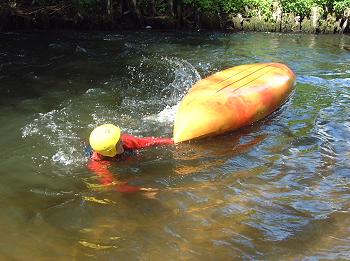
(132, 142)
(106, 177)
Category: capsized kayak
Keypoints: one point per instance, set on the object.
(231, 99)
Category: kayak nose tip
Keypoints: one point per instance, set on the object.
(190, 123)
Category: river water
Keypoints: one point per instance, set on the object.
(278, 189)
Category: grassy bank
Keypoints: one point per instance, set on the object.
(313, 16)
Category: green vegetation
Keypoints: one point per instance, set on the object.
(111, 14)
(300, 7)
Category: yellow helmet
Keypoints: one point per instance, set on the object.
(104, 138)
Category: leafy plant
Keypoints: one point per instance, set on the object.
(340, 6)
(298, 7)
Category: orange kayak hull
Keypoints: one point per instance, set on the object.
(231, 99)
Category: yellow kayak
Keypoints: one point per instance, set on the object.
(231, 99)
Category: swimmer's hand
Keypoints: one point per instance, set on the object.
(149, 189)
(150, 193)
(125, 188)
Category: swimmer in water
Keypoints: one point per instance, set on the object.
(108, 144)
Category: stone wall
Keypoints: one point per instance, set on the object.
(317, 22)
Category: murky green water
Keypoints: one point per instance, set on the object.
(277, 190)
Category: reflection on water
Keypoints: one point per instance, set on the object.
(276, 190)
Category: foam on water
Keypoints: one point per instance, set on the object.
(59, 130)
(64, 130)
(165, 116)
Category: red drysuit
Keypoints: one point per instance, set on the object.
(99, 163)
